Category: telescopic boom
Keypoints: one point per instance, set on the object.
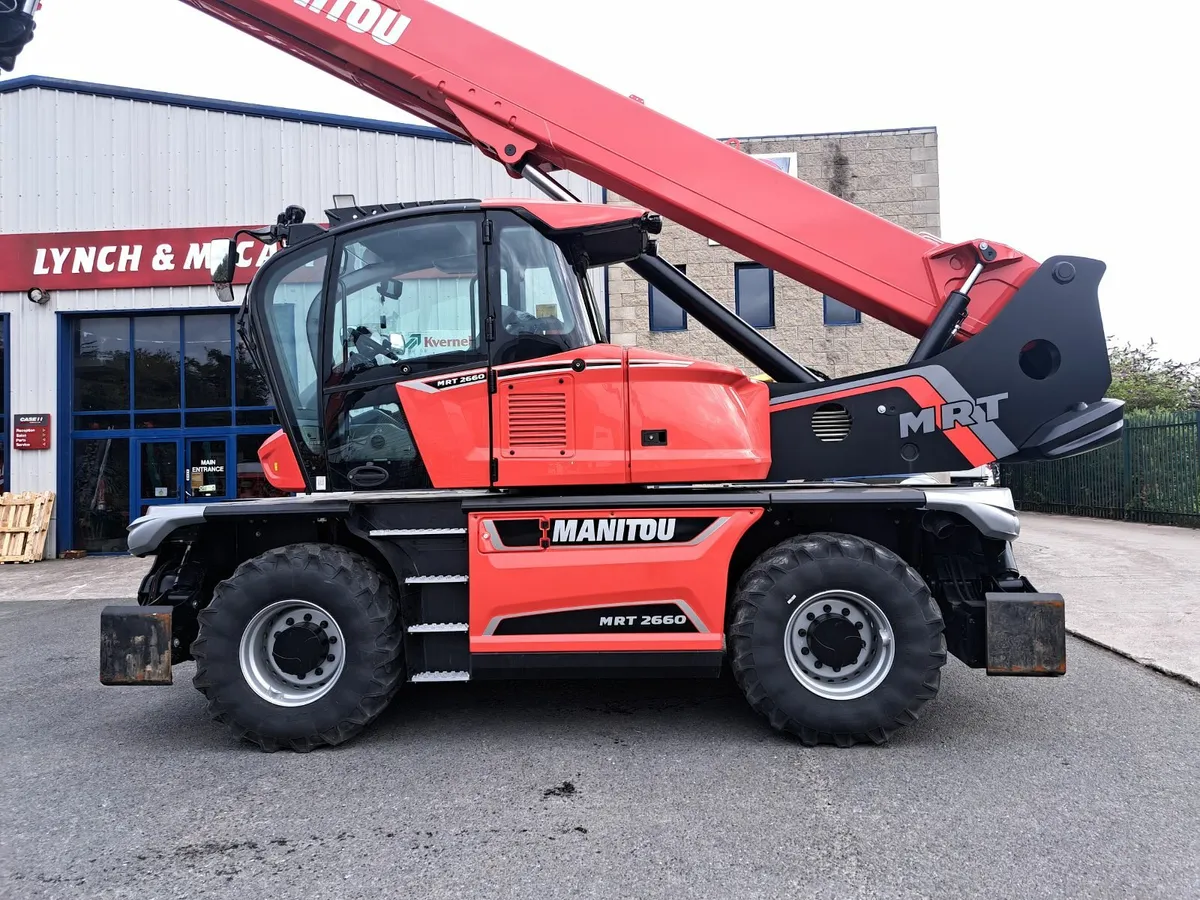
(524, 110)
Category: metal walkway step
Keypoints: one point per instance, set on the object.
(439, 628)
(417, 532)
(436, 579)
(440, 676)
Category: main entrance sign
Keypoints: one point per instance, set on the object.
(99, 260)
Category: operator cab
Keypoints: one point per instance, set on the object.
(399, 302)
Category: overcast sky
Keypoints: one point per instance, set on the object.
(1063, 127)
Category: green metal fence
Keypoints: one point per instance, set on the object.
(1151, 475)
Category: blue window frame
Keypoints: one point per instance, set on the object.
(157, 407)
(754, 294)
(838, 313)
(4, 453)
(665, 315)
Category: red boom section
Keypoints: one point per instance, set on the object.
(519, 107)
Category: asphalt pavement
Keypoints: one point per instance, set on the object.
(1086, 786)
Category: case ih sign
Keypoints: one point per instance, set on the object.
(154, 257)
(31, 432)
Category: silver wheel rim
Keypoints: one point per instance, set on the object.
(827, 613)
(260, 657)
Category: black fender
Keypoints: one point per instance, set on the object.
(147, 533)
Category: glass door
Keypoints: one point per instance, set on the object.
(101, 494)
(206, 476)
(158, 472)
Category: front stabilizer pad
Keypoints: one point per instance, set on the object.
(135, 645)
(1026, 634)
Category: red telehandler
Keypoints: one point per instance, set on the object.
(522, 498)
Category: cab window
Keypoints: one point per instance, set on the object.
(540, 303)
(406, 300)
(294, 296)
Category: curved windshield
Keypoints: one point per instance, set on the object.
(292, 298)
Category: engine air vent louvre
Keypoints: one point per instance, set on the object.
(537, 420)
(831, 422)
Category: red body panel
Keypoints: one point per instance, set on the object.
(450, 427)
(557, 424)
(562, 216)
(523, 581)
(717, 421)
(521, 108)
(279, 463)
(560, 426)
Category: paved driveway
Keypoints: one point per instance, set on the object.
(1132, 587)
(1085, 786)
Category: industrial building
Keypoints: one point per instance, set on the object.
(122, 381)
(891, 173)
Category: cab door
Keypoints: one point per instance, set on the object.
(404, 396)
(558, 396)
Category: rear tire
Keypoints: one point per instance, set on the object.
(900, 646)
(300, 648)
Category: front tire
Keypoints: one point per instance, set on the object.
(836, 640)
(300, 648)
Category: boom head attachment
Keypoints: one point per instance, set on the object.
(1029, 386)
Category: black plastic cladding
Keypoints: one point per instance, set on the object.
(347, 215)
(986, 365)
(872, 447)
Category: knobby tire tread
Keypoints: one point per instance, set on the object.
(368, 590)
(764, 575)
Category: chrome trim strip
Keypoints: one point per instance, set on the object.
(489, 526)
(425, 677)
(684, 607)
(704, 535)
(416, 532)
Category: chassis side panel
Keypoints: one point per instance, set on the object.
(579, 582)
(626, 579)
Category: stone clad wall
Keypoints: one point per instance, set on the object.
(892, 173)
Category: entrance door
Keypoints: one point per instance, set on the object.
(158, 467)
(206, 476)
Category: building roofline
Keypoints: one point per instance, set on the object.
(228, 106)
(318, 118)
(916, 129)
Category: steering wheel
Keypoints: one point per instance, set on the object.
(517, 321)
(366, 346)
(378, 416)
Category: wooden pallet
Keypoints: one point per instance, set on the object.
(24, 525)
